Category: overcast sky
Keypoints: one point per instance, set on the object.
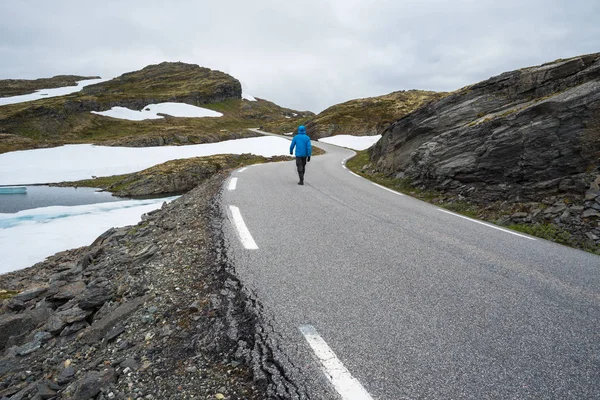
(307, 54)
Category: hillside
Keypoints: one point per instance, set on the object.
(17, 87)
(525, 143)
(67, 119)
(367, 116)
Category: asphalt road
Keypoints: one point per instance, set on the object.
(415, 302)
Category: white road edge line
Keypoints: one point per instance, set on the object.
(243, 169)
(388, 189)
(354, 174)
(345, 384)
(488, 225)
(232, 184)
(243, 232)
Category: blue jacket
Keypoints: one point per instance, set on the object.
(302, 143)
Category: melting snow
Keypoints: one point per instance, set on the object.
(248, 97)
(151, 111)
(29, 236)
(352, 142)
(46, 93)
(82, 161)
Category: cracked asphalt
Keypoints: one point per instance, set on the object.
(417, 303)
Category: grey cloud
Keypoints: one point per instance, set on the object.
(304, 55)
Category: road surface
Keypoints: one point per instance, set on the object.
(392, 298)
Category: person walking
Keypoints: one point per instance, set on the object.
(303, 151)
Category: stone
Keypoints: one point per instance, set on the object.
(74, 314)
(44, 391)
(16, 305)
(92, 382)
(55, 324)
(589, 213)
(94, 297)
(30, 294)
(29, 348)
(69, 291)
(14, 325)
(66, 375)
(129, 363)
(519, 215)
(100, 327)
(114, 333)
(74, 328)
(591, 236)
(194, 307)
(42, 336)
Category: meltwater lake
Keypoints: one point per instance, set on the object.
(45, 196)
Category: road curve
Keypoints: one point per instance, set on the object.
(415, 302)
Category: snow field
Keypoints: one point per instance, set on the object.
(29, 236)
(46, 93)
(82, 161)
(151, 111)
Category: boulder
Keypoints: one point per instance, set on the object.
(91, 383)
(14, 325)
(30, 294)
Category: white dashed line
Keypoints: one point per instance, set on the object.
(388, 189)
(232, 184)
(346, 385)
(243, 232)
(488, 225)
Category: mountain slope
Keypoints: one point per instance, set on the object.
(67, 119)
(368, 116)
(17, 87)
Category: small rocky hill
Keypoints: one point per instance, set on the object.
(523, 146)
(368, 116)
(522, 135)
(17, 87)
(164, 82)
(67, 119)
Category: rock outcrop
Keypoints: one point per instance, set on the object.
(164, 82)
(368, 116)
(524, 135)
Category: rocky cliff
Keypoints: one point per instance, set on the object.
(522, 135)
(368, 116)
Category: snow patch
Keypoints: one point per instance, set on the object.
(82, 161)
(30, 236)
(46, 93)
(151, 111)
(352, 142)
(248, 97)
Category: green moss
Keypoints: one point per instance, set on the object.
(545, 231)
(7, 294)
(490, 213)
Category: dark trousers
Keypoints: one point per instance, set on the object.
(301, 165)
